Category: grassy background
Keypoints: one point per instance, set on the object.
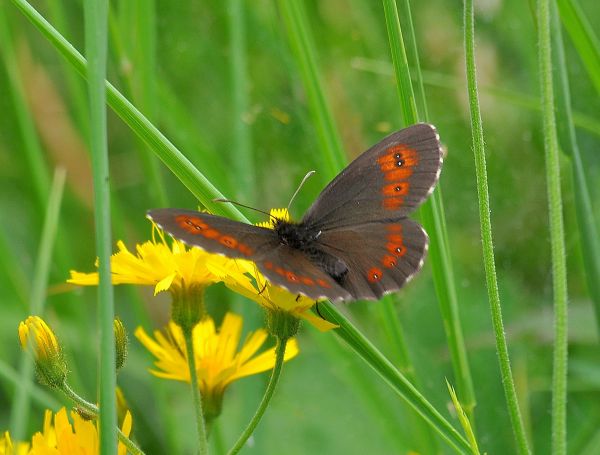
(178, 64)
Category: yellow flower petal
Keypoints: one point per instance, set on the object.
(163, 266)
(218, 359)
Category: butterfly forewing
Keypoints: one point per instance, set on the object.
(215, 234)
(280, 264)
(381, 257)
(388, 181)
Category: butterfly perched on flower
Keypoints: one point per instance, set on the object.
(354, 242)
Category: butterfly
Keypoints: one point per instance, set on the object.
(354, 242)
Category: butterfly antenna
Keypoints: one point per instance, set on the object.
(306, 177)
(229, 201)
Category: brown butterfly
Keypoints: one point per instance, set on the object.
(355, 241)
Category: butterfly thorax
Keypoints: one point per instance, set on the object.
(305, 239)
(296, 235)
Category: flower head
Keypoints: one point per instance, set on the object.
(36, 336)
(182, 270)
(218, 360)
(165, 267)
(64, 438)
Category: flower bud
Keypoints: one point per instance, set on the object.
(39, 339)
(121, 342)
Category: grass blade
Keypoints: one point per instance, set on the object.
(432, 215)
(557, 236)
(486, 233)
(96, 17)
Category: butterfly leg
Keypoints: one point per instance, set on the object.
(263, 289)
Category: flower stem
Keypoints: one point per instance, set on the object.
(93, 410)
(200, 423)
(279, 355)
(486, 234)
(557, 232)
(132, 449)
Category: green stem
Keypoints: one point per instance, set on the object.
(96, 13)
(486, 233)
(557, 239)
(197, 397)
(93, 411)
(279, 355)
(432, 217)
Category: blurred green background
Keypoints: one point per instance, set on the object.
(176, 61)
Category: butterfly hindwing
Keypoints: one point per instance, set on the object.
(291, 269)
(380, 257)
(388, 181)
(215, 234)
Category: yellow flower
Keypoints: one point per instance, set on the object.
(7, 447)
(183, 271)
(165, 267)
(35, 335)
(64, 438)
(218, 362)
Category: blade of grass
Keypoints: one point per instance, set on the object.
(464, 420)
(191, 177)
(557, 238)
(583, 37)
(21, 404)
(588, 232)
(412, 57)
(303, 48)
(486, 233)
(432, 215)
(406, 95)
(96, 19)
